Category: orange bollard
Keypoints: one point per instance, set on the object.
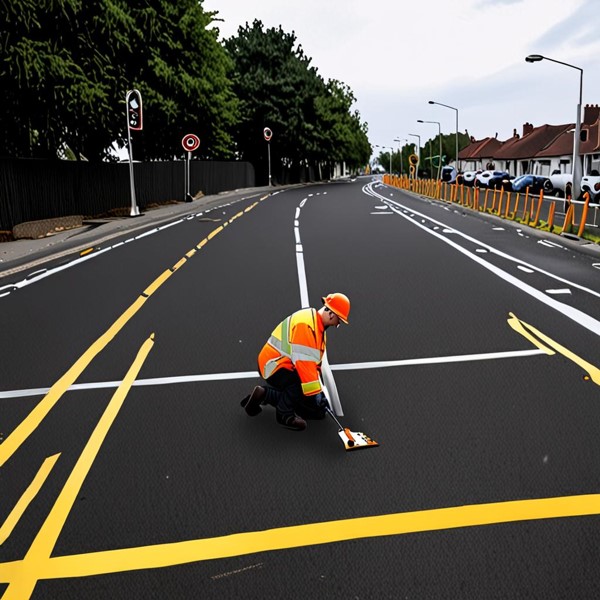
(539, 208)
(516, 207)
(551, 217)
(586, 195)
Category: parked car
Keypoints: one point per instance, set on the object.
(448, 174)
(468, 177)
(562, 183)
(492, 179)
(535, 183)
(591, 183)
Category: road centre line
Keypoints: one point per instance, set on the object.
(27, 576)
(24, 429)
(570, 312)
(381, 364)
(300, 536)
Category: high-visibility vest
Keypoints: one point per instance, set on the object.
(297, 343)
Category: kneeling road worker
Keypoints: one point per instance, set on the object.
(290, 364)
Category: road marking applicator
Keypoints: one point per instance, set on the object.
(353, 440)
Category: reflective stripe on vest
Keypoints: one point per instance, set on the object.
(311, 387)
(294, 352)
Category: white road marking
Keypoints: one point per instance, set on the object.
(570, 312)
(561, 291)
(408, 362)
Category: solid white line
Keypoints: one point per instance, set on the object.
(435, 360)
(570, 312)
(409, 362)
(304, 302)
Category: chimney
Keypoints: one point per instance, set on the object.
(591, 112)
(527, 128)
(515, 134)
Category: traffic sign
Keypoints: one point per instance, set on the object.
(413, 159)
(134, 110)
(190, 142)
(268, 134)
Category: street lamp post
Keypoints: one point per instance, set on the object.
(455, 109)
(576, 189)
(400, 140)
(440, 135)
(418, 151)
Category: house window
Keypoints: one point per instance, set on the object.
(544, 168)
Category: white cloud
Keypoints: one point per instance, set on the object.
(467, 53)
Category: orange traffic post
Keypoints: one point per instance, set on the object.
(551, 217)
(539, 208)
(586, 195)
(500, 202)
(525, 208)
(516, 207)
(568, 219)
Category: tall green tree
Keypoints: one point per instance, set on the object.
(57, 83)
(278, 88)
(65, 66)
(183, 73)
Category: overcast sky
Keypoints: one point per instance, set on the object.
(396, 55)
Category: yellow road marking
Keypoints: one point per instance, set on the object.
(86, 251)
(593, 371)
(180, 263)
(12, 443)
(519, 328)
(37, 415)
(28, 495)
(22, 585)
(283, 538)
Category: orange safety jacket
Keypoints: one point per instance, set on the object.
(297, 343)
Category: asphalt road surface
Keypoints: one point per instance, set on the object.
(129, 470)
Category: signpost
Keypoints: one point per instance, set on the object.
(133, 100)
(268, 135)
(190, 142)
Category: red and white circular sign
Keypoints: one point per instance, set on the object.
(190, 142)
(268, 134)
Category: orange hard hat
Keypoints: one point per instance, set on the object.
(339, 304)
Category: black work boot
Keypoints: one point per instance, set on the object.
(293, 422)
(252, 402)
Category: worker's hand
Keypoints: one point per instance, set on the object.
(321, 401)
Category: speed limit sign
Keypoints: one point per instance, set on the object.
(190, 142)
(268, 134)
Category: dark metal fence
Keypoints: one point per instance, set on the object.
(31, 190)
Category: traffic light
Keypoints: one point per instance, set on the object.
(134, 110)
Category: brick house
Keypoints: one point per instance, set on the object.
(539, 150)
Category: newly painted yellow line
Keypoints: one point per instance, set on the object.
(283, 538)
(593, 371)
(158, 282)
(517, 325)
(212, 234)
(37, 415)
(86, 251)
(28, 495)
(29, 573)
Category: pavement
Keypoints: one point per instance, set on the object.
(23, 254)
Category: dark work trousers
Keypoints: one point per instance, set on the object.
(284, 392)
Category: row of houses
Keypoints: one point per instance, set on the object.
(539, 150)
